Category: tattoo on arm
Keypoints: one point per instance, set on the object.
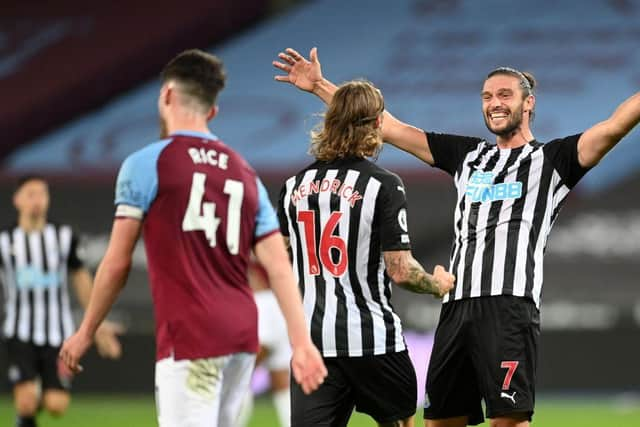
(418, 280)
(409, 274)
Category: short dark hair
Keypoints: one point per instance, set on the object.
(22, 180)
(527, 82)
(200, 74)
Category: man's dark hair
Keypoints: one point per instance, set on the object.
(200, 75)
(28, 178)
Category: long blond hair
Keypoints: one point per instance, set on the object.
(350, 127)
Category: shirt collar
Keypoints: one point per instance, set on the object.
(206, 135)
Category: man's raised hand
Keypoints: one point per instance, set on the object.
(300, 72)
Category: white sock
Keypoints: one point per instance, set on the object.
(282, 402)
(245, 410)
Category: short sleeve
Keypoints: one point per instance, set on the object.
(282, 215)
(392, 203)
(76, 255)
(137, 184)
(266, 220)
(563, 154)
(449, 151)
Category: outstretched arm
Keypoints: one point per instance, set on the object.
(407, 273)
(307, 75)
(110, 279)
(598, 140)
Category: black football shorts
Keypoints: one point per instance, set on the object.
(484, 348)
(383, 387)
(27, 361)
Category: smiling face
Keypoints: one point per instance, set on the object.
(504, 104)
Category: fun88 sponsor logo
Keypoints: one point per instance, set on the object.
(30, 278)
(482, 189)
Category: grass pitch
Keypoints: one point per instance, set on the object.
(139, 411)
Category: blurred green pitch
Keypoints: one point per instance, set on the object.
(139, 411)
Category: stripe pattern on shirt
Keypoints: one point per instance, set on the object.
(350, 315)
(500, 233)
(34, 275)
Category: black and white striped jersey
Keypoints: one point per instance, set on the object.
(508, 200)
(340, 216)
(34, 271)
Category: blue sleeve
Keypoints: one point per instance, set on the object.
(137, 183)
(266, 219)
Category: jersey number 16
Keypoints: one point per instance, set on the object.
(327, 242)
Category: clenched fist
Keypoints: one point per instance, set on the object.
(444, 280)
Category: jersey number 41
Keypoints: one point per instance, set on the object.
(207, 221)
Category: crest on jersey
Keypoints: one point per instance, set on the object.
(402, 220)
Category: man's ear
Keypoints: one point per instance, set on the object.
(212, 112)
(530, 104)
(168, 95)
(378, 123)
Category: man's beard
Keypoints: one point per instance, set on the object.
(164, 132)
(513, 125)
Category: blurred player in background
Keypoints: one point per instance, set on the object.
(275, 351)
(202, 210)
(346, 220)
(37, 259)
(509, 195)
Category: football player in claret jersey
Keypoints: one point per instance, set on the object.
(202, 209)
(509, 195)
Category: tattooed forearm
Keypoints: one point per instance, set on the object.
(409, 274)
(418, 280)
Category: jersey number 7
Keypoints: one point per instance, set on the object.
(207, 221)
